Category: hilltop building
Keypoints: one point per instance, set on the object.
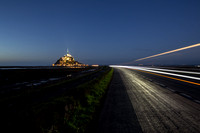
(69, 61)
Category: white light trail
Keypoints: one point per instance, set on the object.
(169, 70)
(154, 71)
(172, 51)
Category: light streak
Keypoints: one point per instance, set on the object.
(172, 51)
(166, 73)
(160, 72)
(177, 71)
(172, 78)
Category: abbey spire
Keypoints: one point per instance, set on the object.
(69, 61)
(68, 53)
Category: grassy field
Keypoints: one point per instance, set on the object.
(74, 111)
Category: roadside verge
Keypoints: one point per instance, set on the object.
(76, 110)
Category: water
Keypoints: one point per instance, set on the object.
(11, 68)
(24, 67)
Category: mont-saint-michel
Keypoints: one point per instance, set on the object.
(68, 61)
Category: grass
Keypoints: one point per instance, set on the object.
(73, 112)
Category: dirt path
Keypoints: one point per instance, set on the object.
(118, 115)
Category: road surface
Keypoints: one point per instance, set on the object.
(143, 102)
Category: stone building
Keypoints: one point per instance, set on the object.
(69, 61)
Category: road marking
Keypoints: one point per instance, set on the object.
(150, 80)
(171, 89)
(185, 95)
(162, 85)
(168, 77)
(197, 101)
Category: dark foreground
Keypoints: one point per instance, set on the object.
(64, 100)
(52, 100)
(135, 104)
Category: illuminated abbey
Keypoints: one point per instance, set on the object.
(69, 61)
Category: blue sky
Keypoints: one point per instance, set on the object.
(38, 32)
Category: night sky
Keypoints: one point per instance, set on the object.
(38, 32)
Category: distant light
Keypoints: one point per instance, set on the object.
(95, 65)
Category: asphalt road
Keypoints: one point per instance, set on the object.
(143, 102)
